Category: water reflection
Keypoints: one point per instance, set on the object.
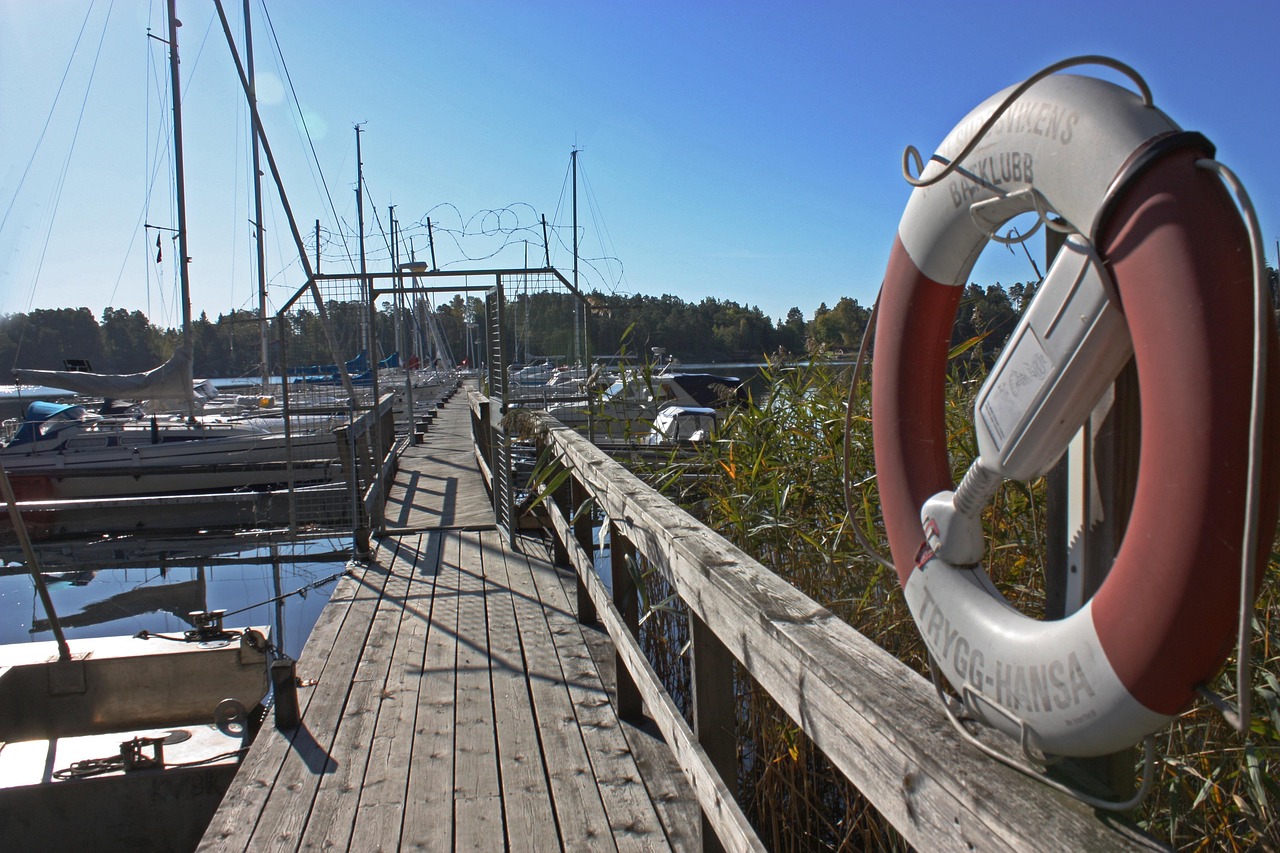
(118, 588)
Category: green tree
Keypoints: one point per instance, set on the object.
(792, 332)
(130, 343)
(43, 338)
(841, 327)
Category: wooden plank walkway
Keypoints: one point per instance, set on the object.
(452, 701)
(437, 483)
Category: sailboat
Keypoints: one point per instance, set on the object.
(125, 742)
(67, 451)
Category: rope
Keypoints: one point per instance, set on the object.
(863, 541)
(913, 154)
(1258, 382)
(302, 591)
(111, 764)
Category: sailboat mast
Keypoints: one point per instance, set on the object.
(257, 204)
(364, 272)
(577, 332)
(399, 295)
(180, 187)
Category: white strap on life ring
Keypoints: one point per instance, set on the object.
(1172, 267)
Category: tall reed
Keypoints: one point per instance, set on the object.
(772, 484)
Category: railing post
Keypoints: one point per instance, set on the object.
(1095, 479)
(714, 711)
(582, 529)
(562, 503)
(630, 705)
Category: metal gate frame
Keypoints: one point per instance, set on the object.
(496, 346)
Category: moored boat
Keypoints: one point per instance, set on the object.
(63, 451)
(125, 742)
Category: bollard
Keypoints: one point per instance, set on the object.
(284, 684)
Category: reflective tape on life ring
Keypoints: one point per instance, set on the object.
(1163, 621)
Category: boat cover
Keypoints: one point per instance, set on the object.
(171, 380)
(42, 411)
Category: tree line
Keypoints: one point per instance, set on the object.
(121, 341)
(709, 330)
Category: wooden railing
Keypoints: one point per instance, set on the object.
(365, 447)
(877, 721)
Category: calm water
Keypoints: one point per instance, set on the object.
(99, 596)
(102, 591)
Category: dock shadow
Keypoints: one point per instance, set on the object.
(315, 756)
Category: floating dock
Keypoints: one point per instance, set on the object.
(451, 700)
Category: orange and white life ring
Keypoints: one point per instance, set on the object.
(1172, 265)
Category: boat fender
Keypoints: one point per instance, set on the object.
(1173, 268)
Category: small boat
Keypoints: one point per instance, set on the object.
(125, 742)
(683, 425)
(532, 374)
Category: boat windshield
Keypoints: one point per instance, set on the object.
(44, 418)
(629, 389)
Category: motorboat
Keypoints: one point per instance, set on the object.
(628, 407)
(683, 425)
(125, 742)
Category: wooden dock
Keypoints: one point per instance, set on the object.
(451, 700)
(437, 483)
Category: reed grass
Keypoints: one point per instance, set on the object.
(772, 484)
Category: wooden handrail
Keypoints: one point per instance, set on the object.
(878, 721)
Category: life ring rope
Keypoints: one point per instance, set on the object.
(1253, 504)
(1031, 763)
(912, 154)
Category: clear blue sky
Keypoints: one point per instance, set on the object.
(744, 150)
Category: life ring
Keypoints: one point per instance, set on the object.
(1171, 243)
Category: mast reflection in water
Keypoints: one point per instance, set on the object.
(102, 589)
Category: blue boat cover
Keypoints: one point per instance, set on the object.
(41, 411)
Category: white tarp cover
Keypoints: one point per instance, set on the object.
(171, 380)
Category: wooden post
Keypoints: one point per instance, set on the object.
(1090, 496)
(714, 711)
(582, 528)
(630, 705)
(284, 685)
(562, 503)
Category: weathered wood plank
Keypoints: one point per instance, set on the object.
(382, 797)
(475, 773)
(632, 817)
(668, 789)
(428, 819)
(437, 483)
(237, 817)
(717, 802)
(710, 789)
(939, 792)
(334, 810)
(311, 757)
(478, 822)
(526, 797)
(580, 813)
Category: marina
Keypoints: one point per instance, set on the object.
(1003, 580)
(470, 685)
(466, 689)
